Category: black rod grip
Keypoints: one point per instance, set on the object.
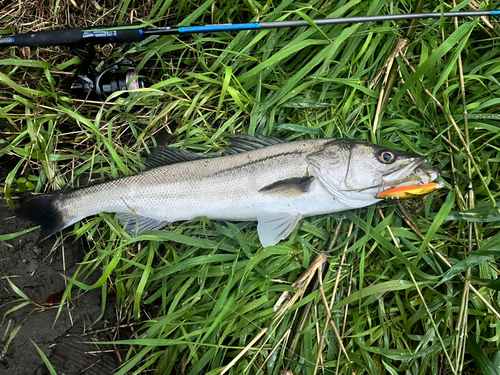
(129, 35)
(48, 38)
(68, 37)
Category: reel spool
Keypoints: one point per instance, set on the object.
(93, 85)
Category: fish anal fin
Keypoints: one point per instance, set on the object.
(135, 224)
(163, 155)
(290, 187)
(273, 227)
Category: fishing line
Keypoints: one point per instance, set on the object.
(313, 78)
(254, 54)
(191, 44)
(270, 337)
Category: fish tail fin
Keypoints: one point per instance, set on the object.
(42, 211)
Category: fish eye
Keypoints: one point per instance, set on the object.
(386, 157)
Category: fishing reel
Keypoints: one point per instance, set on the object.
(91, 84)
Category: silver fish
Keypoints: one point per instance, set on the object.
(273, 182)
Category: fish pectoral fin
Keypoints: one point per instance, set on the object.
(163, 155)
(135, 224)
(273, 227)
(291, 187)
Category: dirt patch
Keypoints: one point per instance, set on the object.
(39, 275)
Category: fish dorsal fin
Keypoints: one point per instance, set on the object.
(273, 227)
(290, 187)
(163, 155)
(135, 224)
(244, 143)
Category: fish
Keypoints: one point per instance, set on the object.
(258, 178)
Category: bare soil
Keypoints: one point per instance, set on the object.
(39, 275)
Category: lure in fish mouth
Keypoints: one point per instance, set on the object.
(261, 179)
(416, 173)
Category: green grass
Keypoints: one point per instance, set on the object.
(411, 287)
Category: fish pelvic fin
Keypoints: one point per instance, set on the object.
(274, 227)
(42, 211)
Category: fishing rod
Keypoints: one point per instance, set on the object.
(90, 84)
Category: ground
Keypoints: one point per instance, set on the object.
(38, 273)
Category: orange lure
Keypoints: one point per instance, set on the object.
(411, 191)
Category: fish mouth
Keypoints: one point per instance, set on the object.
(413, 174)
